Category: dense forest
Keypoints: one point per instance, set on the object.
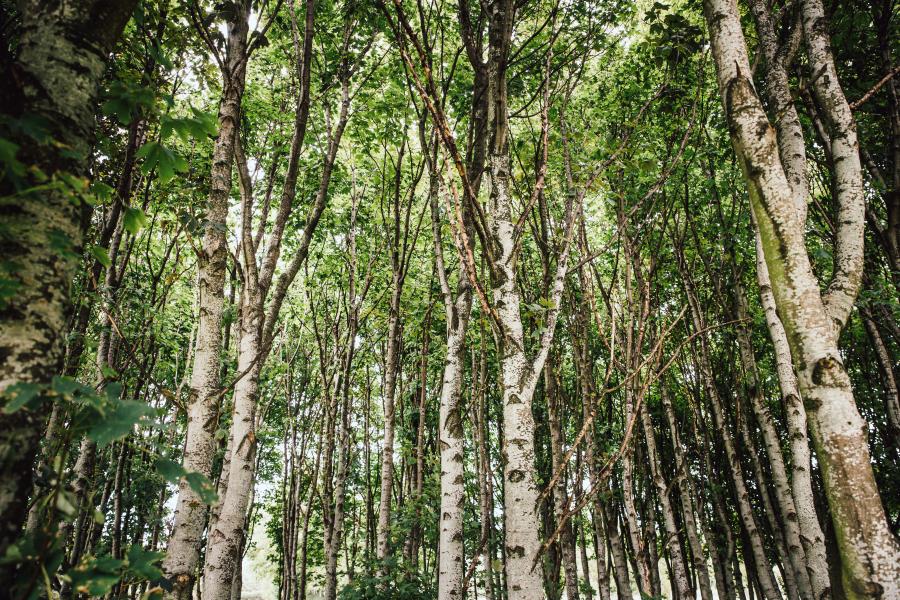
(410, 299)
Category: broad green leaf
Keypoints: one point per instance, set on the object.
(163, 159)
(142, 564)
(20, 395)
(102, 256)
(170, 470)
(118, 422)
(203, 486)
(134, 220)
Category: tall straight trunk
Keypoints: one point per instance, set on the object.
(450, 533)
(584, 371)
(335, 536)
(522, 520)
(54, 78)
(485, 476)
(560, 500)
(811, 535)
(869, 552)
(672, 543)
(226, 534)
(183, 549)
(685, 494)
(792, 151)
(391, 365)
(781, 486)
(735, 470)
(846, 167)
(617, 550)
(585, 563)
(891, 393)
(520, 479)
(340, 422)
(638, 548)
(751, 450)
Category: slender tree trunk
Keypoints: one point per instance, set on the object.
(226, 535)
(617, 550)
(736, 471)
(560, 500)
(485, 476)
(870, 554)
(685, 493)
(891, 394)
(450, 542)
(792, 534)
(183, 549)
(60, 61)
(811, 534)
(673, 543)
(391, 366)
(520, 489)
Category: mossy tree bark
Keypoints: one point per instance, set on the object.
(52, 81)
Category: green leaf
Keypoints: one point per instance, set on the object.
(96, 576)
(163, 159)
(118, 422)
(102, 256)
(142, 563)
(134, 220)
(203, 486)
(65, 505)
(173, 472)
(170, 470)
(20, 395)
(102, 193)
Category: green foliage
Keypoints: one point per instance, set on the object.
(397, 584)
(134, 220)
(163, 159)
(173, 472)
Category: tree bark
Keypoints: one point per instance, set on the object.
(869, 552)
(54, 78)
(183, 549)
(672, 543)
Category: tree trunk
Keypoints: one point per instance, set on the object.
(811, 534)
(391, 366)
(781, 486)
(673, 544)
(685, 487)
(560, 500)
(226, 535)
(183, 549)
(55, 77)
(450, 542)
(870, 554)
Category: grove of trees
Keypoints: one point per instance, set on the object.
(410, 299)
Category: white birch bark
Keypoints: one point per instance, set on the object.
(781, 485)
(870, 554)
(390, 380)
(521, 493)
(226, 535)
(183, 549)
(764, 574)
(451, 565)
(847, 170)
